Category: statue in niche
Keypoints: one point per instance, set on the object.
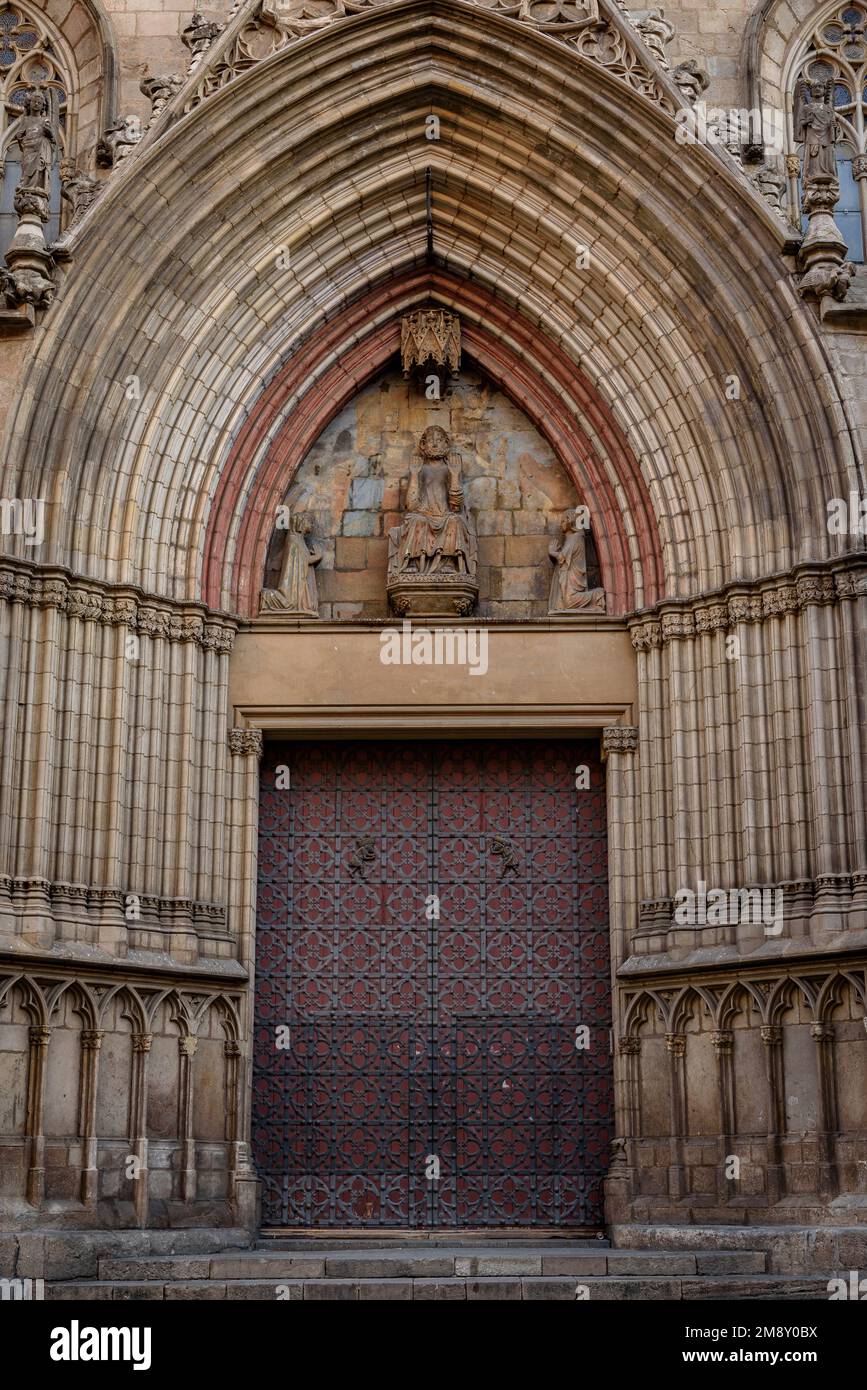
(569, 591)
(295, 593)
(432, 555)
(816, 125)
(35, 133)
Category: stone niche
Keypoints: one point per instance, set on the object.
(352, 484)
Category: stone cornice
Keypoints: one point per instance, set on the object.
(750, 602)
(165, 912)
(115, 605)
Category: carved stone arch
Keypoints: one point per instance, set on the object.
(131, 1007)
(738, 997)
(682, 1008)
(228, 1014)
(33, 1000)
(83, 1002)
(859, 985)
(91, 50)
(637, 1011)
(828, 997)
(779, 39)
(781, 998)
(728, 496)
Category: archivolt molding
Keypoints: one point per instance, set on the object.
(176, 282)
(804, 587)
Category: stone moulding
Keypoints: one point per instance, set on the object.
(767, 992)
(115, 606)
(163, 912)
(599, 31)
(829, 583)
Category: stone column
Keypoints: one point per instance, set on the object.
(141, 1046)
(245, 747)
(619, 748)
(772, 1038)
(39, 1038)
(676, 1046)
(827, 1126)
(91, 1042)
(187, 1045)
(723, 1044)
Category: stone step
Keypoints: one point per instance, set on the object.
(758, 1287)
(383, 1240)
(440, 1262)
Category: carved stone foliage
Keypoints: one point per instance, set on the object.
(245, 743)
(598, 31)
(21, 583)
(619, 738)
(691, 79)
(432, 555)
(80, 191)
(775, 598)
(430, 338)
(159, 90)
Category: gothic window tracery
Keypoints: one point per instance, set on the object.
(31, 55)
(834, 49)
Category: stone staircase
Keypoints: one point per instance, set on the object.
(432, 1268)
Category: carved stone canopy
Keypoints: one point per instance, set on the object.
(430, 339)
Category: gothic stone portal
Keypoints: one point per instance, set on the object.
(417, 1046)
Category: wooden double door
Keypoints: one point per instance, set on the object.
(432, 1035)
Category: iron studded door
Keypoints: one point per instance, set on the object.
(432, 940)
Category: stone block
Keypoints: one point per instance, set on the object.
(440, 1290)
(176, 1267)
(494, 1289)
(576, 1266)
(350, 553)
(331, 1290)
(385, 1290)
(275, 1268)
(203, 1289)
(138, 1293)
(550, 1290)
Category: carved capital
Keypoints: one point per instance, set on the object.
(723, 1040)
(822, 1032)
(141, 1042)
(187, 1044)
(245, 743)
(630, 1045)
(772, 1035)
(619, 738)
(39, 1036)
(91, 1039)
(676, 1044)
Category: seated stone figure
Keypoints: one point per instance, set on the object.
(432, 555)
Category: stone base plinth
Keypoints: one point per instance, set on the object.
(433, 595)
